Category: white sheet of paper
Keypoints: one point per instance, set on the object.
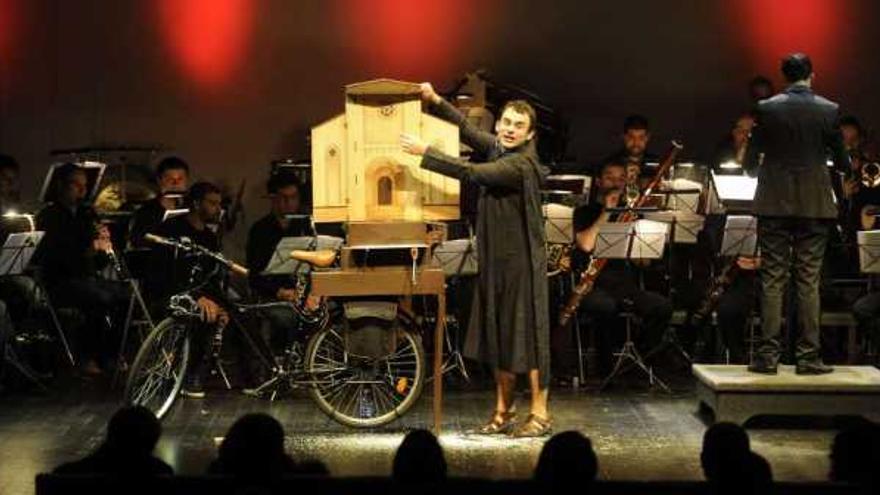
(740, 236)
(613, 240)
(649, 240)
(869, 250)
(735, 187)
(558, 223)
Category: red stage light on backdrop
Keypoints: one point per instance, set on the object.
(769, 29)
(207, 38)
(410, 38)
(10, 21)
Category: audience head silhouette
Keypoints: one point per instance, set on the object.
(133, 430)
(419, 459)
(254, 448)
(729, 464)
(132, 434)
(567, 459)
(855, 454)
(725, 445)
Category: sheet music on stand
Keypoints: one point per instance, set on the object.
(458, 257)
(174, 213)
(18, 250)
(649, 239)
(732, 191)
(613, 240)
(642, 239)
(558, 223)
(740, 236)
(869, 250)
(688, 199)
(282, 264)
(686, 225)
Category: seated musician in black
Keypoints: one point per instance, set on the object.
(735, 304)
(731, 151)
(618, 281)
(866, 309)
(73, 250)
(633, 153)
(263, 237)
(18, 290)
(172, 179)
(171, 274)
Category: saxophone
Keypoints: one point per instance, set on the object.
(589, 276)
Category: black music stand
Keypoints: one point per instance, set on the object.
(281, 264)
(458, 258)
(17, 251)
(631, 240)
(135, 299)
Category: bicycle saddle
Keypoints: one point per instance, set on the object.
(319, 259)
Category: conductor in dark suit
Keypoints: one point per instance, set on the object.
(793, 136)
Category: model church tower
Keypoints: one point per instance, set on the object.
(360, 173)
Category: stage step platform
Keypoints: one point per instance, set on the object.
(734, 394)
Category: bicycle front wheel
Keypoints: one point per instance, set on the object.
(157, 374)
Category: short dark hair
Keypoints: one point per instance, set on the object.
(635, 122)
(281, 179)
(61, 177)
(8, 162)
(523, 107)
(199, 190)
(609, 164)
(65, 171)
(852, 121)
(171, 163)
(796, 67)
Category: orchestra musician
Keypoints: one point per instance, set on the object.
(75, 247)
(171, 274)
(731, 150)
(172, 180)
(263, 237)
(619, 280)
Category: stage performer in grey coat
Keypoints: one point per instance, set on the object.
(509, 327)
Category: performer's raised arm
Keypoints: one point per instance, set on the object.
(478, 139)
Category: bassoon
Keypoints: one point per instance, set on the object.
(589, 276)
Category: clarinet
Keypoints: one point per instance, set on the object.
(719, 286)
(96, 233)
(589, 276)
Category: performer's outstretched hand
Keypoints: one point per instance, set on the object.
(413, 145)
(428, 93)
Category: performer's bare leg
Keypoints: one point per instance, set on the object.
(505, 382)
(539, 395)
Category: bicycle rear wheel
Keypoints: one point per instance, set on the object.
(157, 374)
(362, 391)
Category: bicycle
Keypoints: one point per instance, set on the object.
(362, 362)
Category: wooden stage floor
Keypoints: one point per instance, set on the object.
(638, 434)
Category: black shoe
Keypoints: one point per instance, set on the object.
(813, 367)
(764, 365)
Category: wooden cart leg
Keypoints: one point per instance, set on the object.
(438, 361)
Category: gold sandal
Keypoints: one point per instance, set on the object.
(534, 426)
(500, 423)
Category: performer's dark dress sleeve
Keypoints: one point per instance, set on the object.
(505, 172)
(481, 141)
